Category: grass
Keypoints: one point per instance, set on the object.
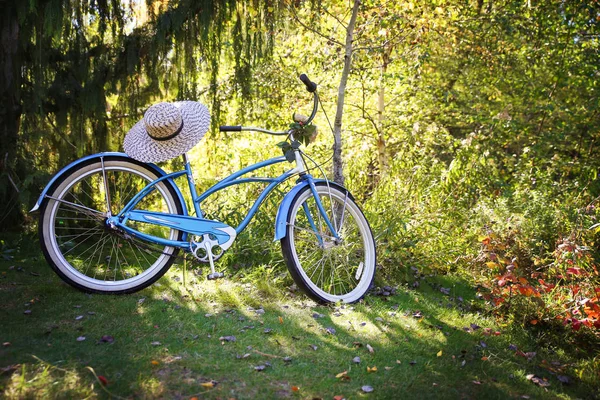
(167, 342)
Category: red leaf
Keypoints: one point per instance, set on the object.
(573, 271)
(576, 325)
(103, 380)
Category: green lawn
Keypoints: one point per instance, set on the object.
(167, 343)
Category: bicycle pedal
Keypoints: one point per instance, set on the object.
(215, 275)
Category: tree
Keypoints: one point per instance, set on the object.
(73, 71)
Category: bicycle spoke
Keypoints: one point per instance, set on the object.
(99, 245)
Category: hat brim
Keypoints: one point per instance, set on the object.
(196, 122)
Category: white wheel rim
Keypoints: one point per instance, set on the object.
(75, 275)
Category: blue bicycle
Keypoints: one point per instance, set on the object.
(111, 224)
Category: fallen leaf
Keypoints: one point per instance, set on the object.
(106, 339)
(477, 382)
(79, 318)
(154, 362)
(312, 346)
(371, 350)
(398, 362)
(155, 343)
(356, 360)
(563, 379)
(537, 380)
(287, 359)
(295, 388)
(439, 353)
(484, 358)
(227, 339)
(338, 397)
(103, 380)
(207, 385)
(6, 344)
(367, 389)
(412, 363)
(27, 312)
(341, 374)
(268, 330)
(330, 331)
(260, 368)
(371, 369)
(533, 322)
(388, 368)
(281, 321)
(81, 338)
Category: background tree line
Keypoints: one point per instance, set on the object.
(470, 128)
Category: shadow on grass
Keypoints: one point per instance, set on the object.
(167, 343)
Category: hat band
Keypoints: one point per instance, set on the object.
(171, 136)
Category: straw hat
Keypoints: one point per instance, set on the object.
(167, 130)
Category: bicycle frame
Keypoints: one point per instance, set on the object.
(190, 224)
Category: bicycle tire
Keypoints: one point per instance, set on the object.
(63, 228)
(354, 257)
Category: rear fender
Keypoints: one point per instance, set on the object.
(56, 178)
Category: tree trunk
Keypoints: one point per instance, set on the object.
(382, 153)
(338, 166)
(10, 114)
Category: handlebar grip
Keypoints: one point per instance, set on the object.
(310, 86)
(227, 128)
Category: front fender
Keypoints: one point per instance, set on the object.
(286, 203)
(60, 173)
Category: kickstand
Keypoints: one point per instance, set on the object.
(184, 270)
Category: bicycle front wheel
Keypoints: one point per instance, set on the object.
(83, 250)
(326, 268)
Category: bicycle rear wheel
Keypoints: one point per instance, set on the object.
(329, 270)
(91, 256)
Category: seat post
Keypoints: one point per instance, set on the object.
(192, 185)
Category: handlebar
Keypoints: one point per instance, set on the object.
(310, 87)
(228, 128)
